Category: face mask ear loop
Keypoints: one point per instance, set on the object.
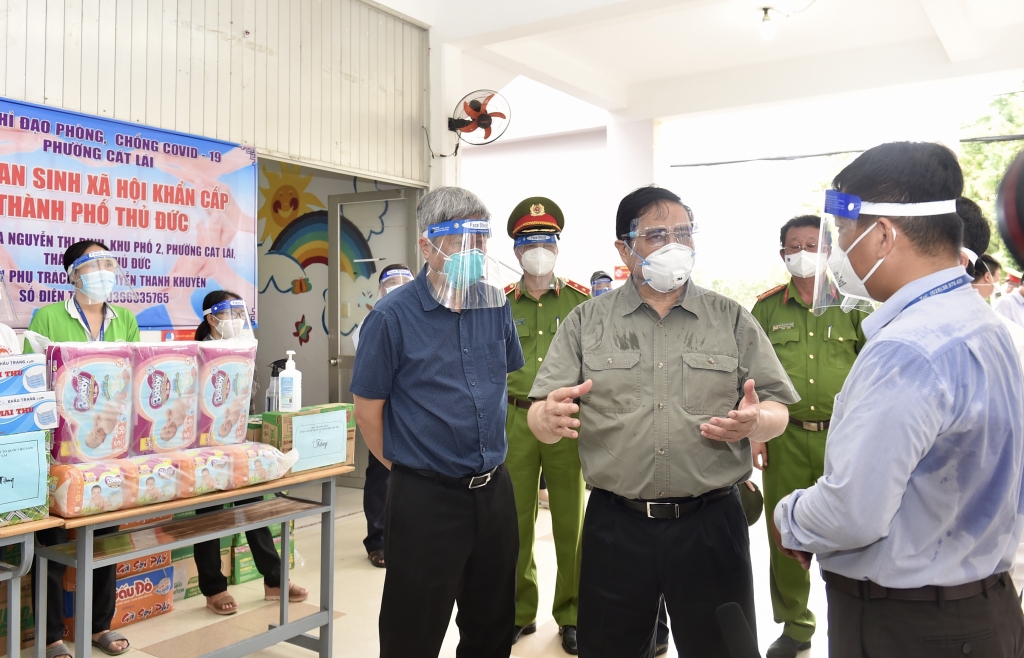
(879, 263)
(643, 261)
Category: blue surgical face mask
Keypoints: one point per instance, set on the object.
(464, 268)
(97, 286)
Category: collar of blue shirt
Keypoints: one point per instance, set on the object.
(423, 290)
(888, 311)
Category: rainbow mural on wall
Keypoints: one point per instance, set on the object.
(304, 240)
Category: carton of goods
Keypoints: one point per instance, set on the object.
(28, 412)
(243, 568)
(139, 597)
(254, 433)
(23, 478)
(92, 384)
(225, 387)
(22, 373)
(28, 631)
(87, 489)
(160, 560)
(323, 435)
(164, 397)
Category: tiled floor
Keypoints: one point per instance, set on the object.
(189, 629)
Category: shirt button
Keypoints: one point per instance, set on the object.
(540, 305)
(661, 451)
(465, 351)
(661, 365)
(967, 648)
(812, 381)
(661, 494)
(472, 383)
(609, 360)
(540, 333)
(540, 358)
(841, 340)
(712, 359)
(812, 407)
(810, 356)
(661, 405)
(810, 333)
(659, 324)
(479, 415)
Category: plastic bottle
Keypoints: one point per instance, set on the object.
(290, 386)
(273, 390)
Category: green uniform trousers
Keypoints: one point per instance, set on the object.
(564, 476)
(795, 461)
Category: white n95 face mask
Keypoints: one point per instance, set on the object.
(231, 328)
(668, 268)
(803, 264)
(539, 261)
(849, 283)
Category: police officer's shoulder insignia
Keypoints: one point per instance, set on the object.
(578, 287)
(509, 288)
(765, 295)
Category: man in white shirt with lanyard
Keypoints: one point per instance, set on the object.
(920, 510)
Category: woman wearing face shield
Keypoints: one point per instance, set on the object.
(226, 324)
(86, 316)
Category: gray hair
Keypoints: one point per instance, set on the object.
(447, 203)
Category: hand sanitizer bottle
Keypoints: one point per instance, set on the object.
(290, 386)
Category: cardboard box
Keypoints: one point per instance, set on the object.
(139, 597)
(277, 425)
(22, 373)
(28, 630)
(254, 433)
(243, 568)
(160, 560)
(28, 412)
(186, 574)
(24, 478)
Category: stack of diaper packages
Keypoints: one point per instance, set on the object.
(131, 420)
(27, 410)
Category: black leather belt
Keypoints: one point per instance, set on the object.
(522, 404)
(672, 508)
(865, 589)
(468, 482)
(811, 425)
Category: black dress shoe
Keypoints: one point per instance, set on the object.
(568, 634)
(787, 647)
(519, 631)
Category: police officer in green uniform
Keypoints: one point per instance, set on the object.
(817, 353)
(540, 301)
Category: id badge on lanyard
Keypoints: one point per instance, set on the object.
(88, 329)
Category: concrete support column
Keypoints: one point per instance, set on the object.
(445, 91)
(630, 156)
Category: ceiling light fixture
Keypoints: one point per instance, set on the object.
(767, 27)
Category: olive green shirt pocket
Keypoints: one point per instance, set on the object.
(709, 383)
(840, 351)
(616, 377)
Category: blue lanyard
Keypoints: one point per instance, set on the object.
(948, 286)
(85, 321)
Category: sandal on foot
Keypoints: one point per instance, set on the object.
(222, 604)
(377, 558)
(58, 650)
(107, 639)
(296, 594)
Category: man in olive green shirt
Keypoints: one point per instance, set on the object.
(674, 382)
(817, 353)
(539, 302)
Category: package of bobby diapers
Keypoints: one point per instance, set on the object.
(92, 384)
(220, 468)
(164, 397)
(264, 463)
(87, 489)
(29, 412)
(225, 386)
(22, 373)
(164, 477)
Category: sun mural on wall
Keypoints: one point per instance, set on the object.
(284, 199)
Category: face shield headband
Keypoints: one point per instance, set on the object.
(95, 255)
(535, 239)
(850, 206)
(391, 274)
(225, 306)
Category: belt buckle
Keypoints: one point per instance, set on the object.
(651, 516)
(484, 480)
(809, 426)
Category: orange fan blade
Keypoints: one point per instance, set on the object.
(487, 132)
(469, 111)
(483, 106)
(497, 114)
(470, 128)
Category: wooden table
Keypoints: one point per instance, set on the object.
(22, 534)
(88, 552)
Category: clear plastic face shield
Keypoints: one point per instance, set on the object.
(600, 286)
(461, 274)
(392, 280)
(837, 283)
(98, 276)
(537, 253)
(660, 249)
(230, 320)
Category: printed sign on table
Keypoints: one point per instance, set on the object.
(178, 211)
